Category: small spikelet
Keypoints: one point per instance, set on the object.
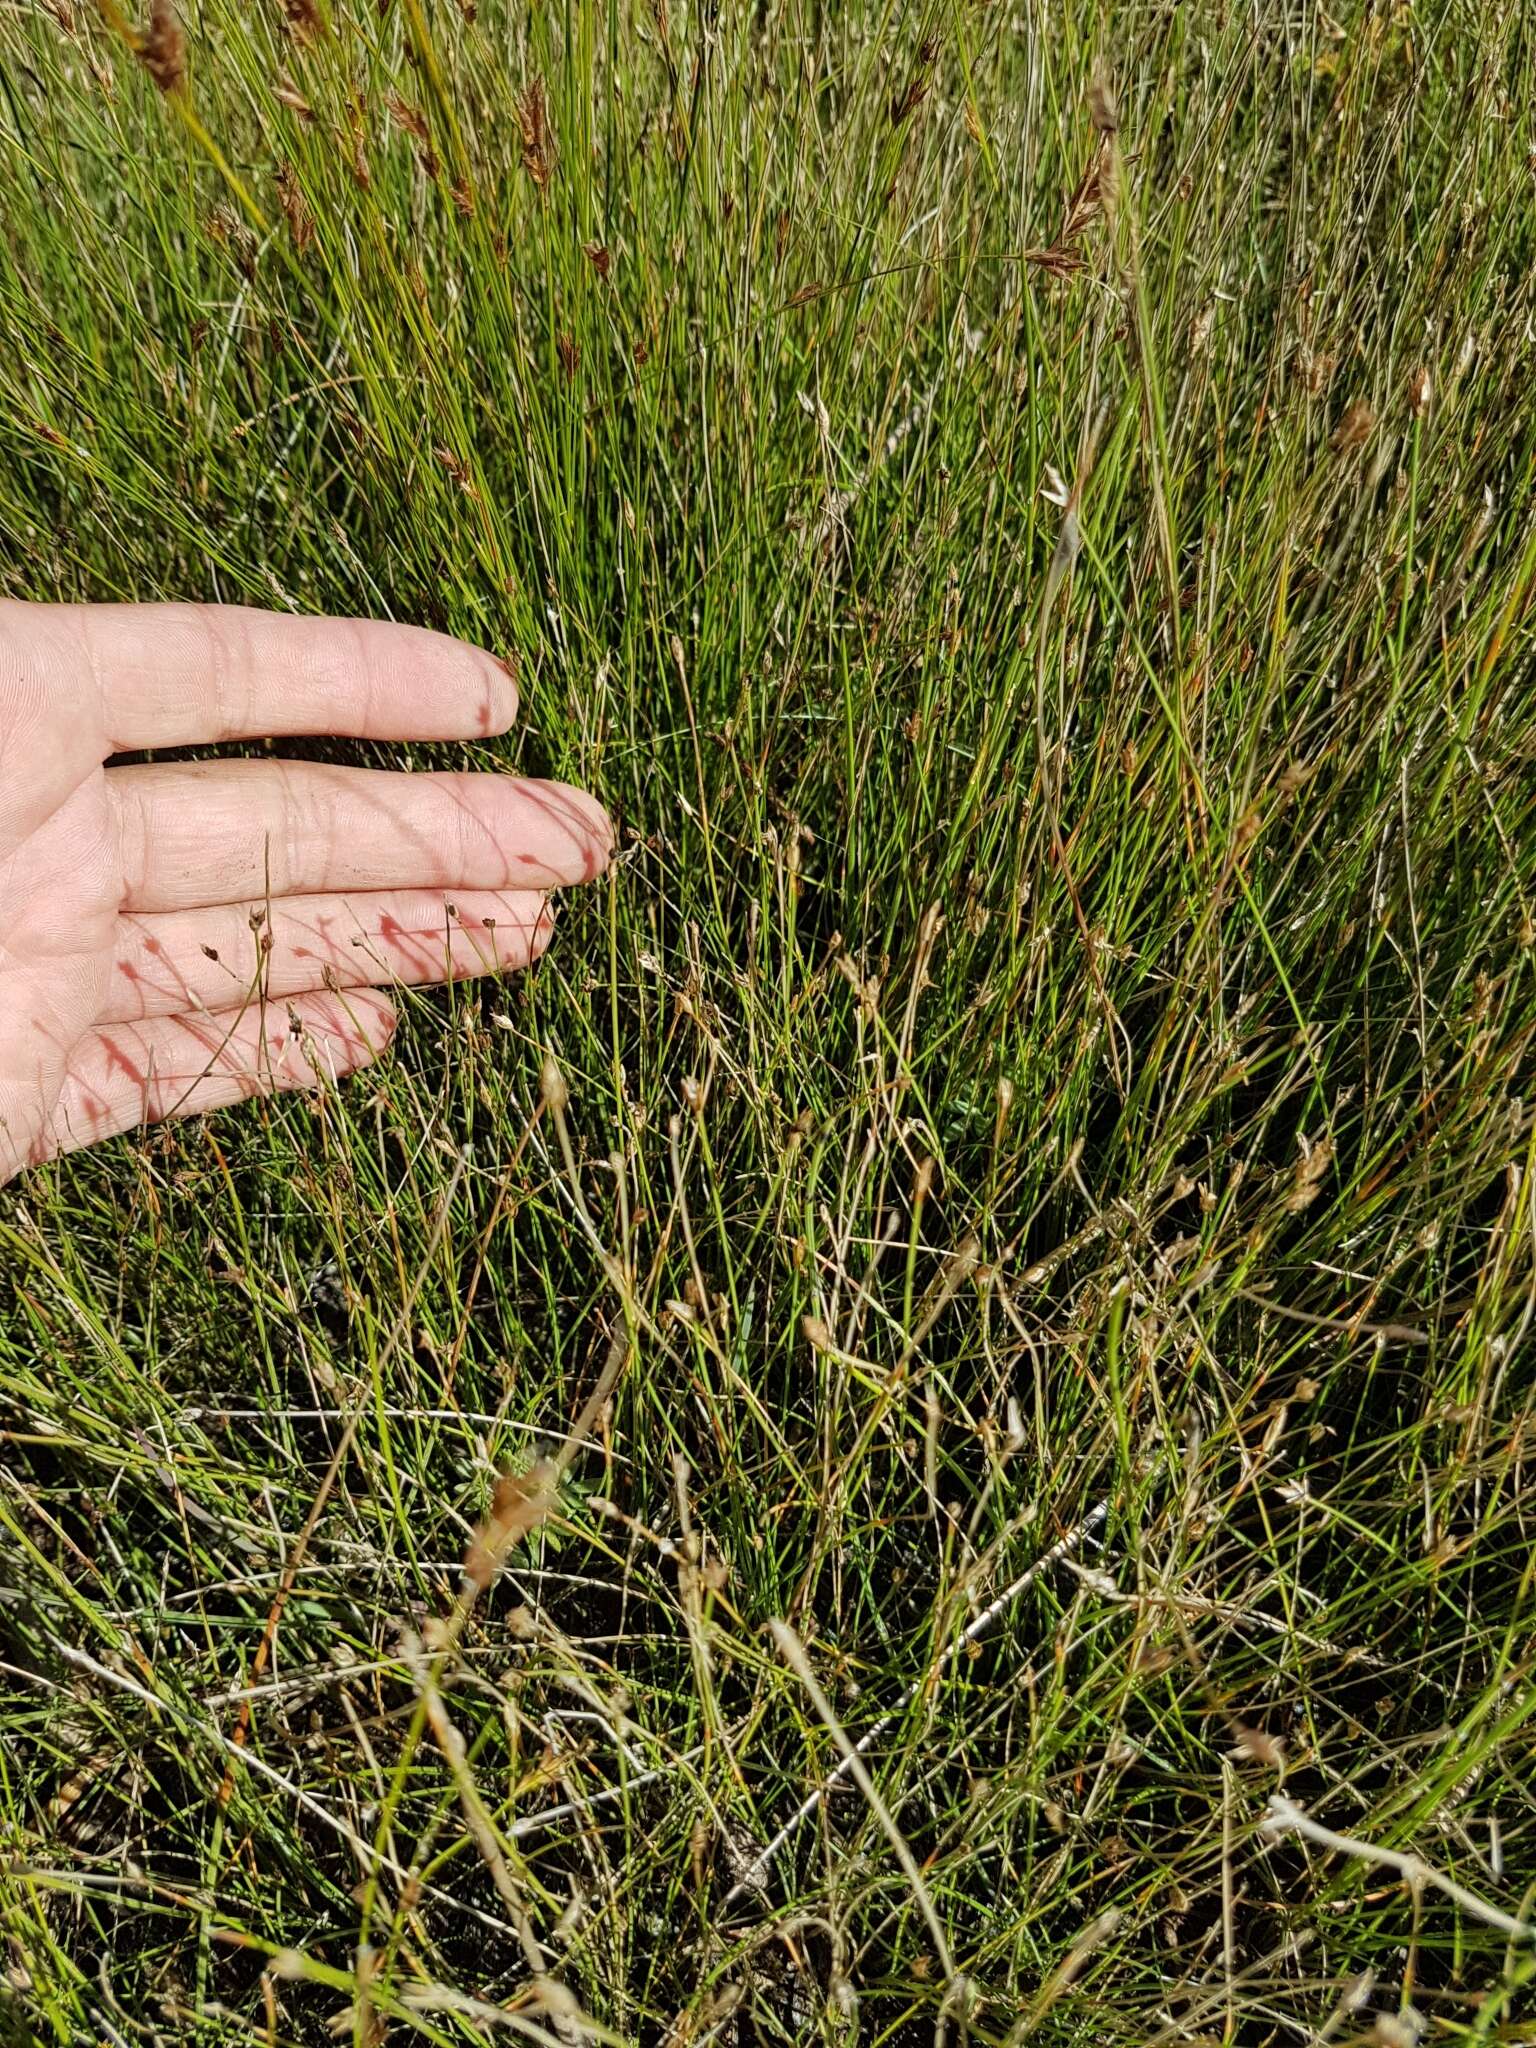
(288, 95)
(533, 126)
(407, 117)
(1310, 1171)
(163, 48)
(907, 102)
(411, 121)
(1102, 108)
(553, 1086)
(521, 1503)
(356, 118)
(1084, 205)
(303, 19)
(1355, 429)
(296, 209)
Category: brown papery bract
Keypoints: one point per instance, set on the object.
(296, 208)
(407, 117)
(1355, 429)
(521, 1503)
(303, 19)
(533, 126)
(163, 48)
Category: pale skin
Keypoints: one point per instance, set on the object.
(177, 936)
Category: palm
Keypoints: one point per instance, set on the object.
(178, 935)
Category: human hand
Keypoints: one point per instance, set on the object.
(176, 936)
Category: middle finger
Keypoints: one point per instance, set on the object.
(195, 833)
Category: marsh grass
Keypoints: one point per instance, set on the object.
(1025, 517)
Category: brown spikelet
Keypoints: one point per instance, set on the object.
(296, 208)
(163, 48)
(780, 235)
(1310, 1172)
(532, 112)
(1087, 201)
(406, 117)
(570, 355)
(600, 258)
(302, 19)
(230, 232)
(907, 102)
(1083, 207)
(1102, 109)
(288, 95)
(411, 121)
(1354, 430)
(1058, 259)
(1314, 367)
(521, 1503)
(462, 197)
(356, 119)
(458, 469)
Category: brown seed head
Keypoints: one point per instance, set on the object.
(406, 117)
(522, 1501)
(906, 103)
(288, 95)
(296, 209)
(1315, 366)
(163, 48)
(1102, 109)
(553, 1086)
(303, 19)
(532, 113)
(357, 123)
(1354, 430)
(1420, 391)
(1308, 1175)
(458, 469)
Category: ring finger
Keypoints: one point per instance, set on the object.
(190, 960)
(192, 833)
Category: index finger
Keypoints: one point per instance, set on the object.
(173, 675)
